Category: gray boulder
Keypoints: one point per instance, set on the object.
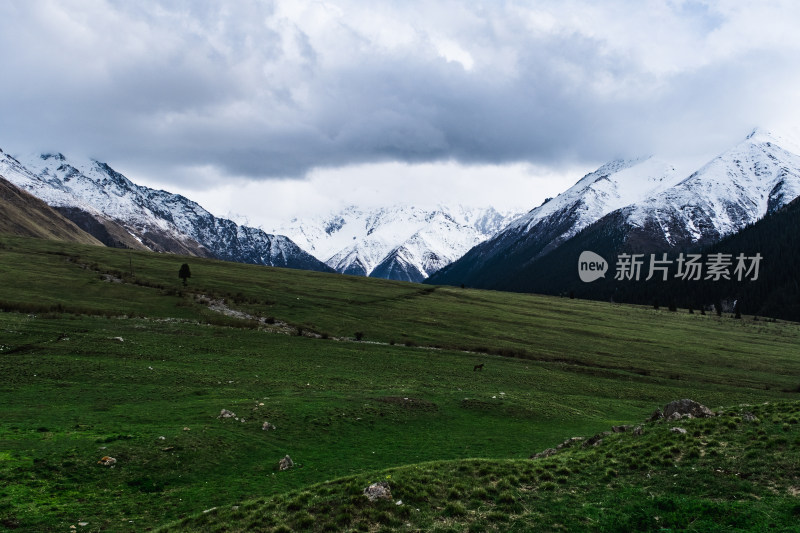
(378, 491)
(286, 463)
(750, 417)
(686, 409)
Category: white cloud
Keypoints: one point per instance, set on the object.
(269, 204)
(293, 90)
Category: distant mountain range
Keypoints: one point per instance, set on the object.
(639, 206)
(107, 205)
(399, 242)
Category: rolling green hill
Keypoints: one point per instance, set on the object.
(103, 352)
(735, 472)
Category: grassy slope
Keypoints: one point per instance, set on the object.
(74, 394)
(736, 472)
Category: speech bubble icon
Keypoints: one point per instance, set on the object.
(591, 267)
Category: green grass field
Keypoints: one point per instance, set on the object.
(736, 472)
(403, 398)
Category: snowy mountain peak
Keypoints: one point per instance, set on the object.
(646, 203)
(734, 189)
(396, 242)
(761, 136)
(610, 187)
(121, 213)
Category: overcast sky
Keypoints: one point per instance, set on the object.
(271, 109)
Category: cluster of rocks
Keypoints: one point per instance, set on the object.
(552, 451)
(678, 409)
(226, 413)
(675, 410)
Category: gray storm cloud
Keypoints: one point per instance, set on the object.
(275, 89)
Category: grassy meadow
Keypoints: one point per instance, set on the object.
(104, 353)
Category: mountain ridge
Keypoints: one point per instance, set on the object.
(99, 198)
(728, 193)
(400, 242)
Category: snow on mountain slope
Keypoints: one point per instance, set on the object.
(643, 205)
(399, 242)
(610, 187)
(159, 220)
(544, 228)
(23, 214)
(758, 176)
(439, 243)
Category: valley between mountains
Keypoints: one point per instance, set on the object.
(645, 203)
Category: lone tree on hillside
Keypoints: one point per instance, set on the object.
(184, 273)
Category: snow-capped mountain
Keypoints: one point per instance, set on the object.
(642, 206)
(735, 189)
(399, 242)
(610, 187)
(98, 198)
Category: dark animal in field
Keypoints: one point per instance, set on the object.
(478, 367)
